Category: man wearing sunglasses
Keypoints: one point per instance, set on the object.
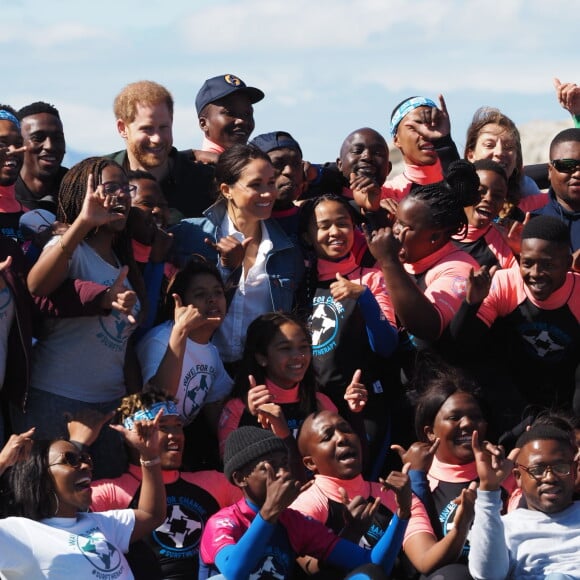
(564, 175)
(540, 541)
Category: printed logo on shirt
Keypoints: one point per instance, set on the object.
(325, 322)
(116, 329)
(180, 533)
(545, 340)
(269, 569)
(447, 517)
(459, 286)
(101, 554)
(196, 384)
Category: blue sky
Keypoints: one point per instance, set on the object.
(327, 66)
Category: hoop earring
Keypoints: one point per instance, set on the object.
(57, 503)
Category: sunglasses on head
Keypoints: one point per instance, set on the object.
(74, 460)
(565, 165)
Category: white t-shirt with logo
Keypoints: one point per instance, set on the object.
(203, 376)
(89, 546)
(83, 358)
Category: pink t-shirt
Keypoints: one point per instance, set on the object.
(508, 291)
(314, 501)
(398, 187)
(446, 279)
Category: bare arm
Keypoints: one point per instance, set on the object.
(428, 554)
(151, 510)
(412, 307)
(51, 269)
(187, 318)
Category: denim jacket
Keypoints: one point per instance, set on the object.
(284, 263)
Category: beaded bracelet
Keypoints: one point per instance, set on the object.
(150, 462)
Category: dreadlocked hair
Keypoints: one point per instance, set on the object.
(140, 401)
(71, 195)
(309, 283)
(446, 199)
(259, 336)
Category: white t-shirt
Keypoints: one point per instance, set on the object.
(83, 358)
(203, 377)
(89, 546)
(6, 319)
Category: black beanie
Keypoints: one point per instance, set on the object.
(247, 444)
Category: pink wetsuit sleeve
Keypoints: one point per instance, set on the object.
(499, 248)
(221, 530)
(419, 521)
(375, 282)
(308, 536)
(504, 295)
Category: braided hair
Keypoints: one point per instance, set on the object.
(140, 401)
(309, 282)
(71, 195)
(446, 199)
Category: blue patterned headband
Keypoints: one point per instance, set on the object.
(6, 116)
(168, 407)
(405, 108)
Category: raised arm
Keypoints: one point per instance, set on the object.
(151, 510)
(51, 269)
(412, 307)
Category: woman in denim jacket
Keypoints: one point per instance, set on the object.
(259, 264)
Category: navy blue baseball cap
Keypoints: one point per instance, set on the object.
(276, 140)
(222, 86)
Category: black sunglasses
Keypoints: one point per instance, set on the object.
(565, 165)
(75, 460)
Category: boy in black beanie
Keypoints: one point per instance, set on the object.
(259, 535)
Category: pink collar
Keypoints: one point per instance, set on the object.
(327, 270)
(141, 252)
(331, 486)
(451, 472)
(208, 145)
(429, 261)
(424, 174)
(281, 395)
